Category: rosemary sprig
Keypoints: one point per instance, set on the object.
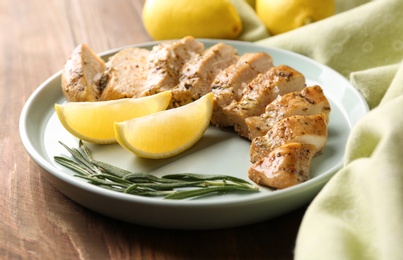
(172, 186)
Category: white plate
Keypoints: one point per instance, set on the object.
(218, 152)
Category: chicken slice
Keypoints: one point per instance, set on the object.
(165, 61)
(125, 74)
(81, 75)
(260, 92)
(197, 75)
(285, 166)
(310, 101)
(310, 129)
(230, 82)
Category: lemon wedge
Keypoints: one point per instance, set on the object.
(94, 121)
(166, 133)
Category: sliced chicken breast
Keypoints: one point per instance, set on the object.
(229, 83)
(165, 62)
(286, 121)
(197, 75)
(285, 166)
(260, 92)
(125, 74)
(82, 74)
(310, 101)
(303, 129)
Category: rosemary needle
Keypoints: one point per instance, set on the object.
(171, 186)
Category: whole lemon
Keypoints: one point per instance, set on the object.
(281, 16)
(173, 19)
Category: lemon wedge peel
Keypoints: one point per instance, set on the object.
(166, 133)
(94, 121)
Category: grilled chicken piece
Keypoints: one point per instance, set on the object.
(81, 75)
(197, 75)
(310, 101)
(125, 74)
(229, 83)
(260, 92)
(285, 166)
(165, 61)
(303, 129)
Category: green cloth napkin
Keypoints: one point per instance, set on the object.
(252, 27)
(359, 213)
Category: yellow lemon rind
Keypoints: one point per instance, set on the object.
(165, 20)
(157, 102)
(155, 148)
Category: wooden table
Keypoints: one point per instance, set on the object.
(37, 221)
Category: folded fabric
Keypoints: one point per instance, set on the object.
(374, 82)
(362, 38)
(253, 28)
(345, 5)
(359, 213)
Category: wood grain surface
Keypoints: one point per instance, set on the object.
(37, 221)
